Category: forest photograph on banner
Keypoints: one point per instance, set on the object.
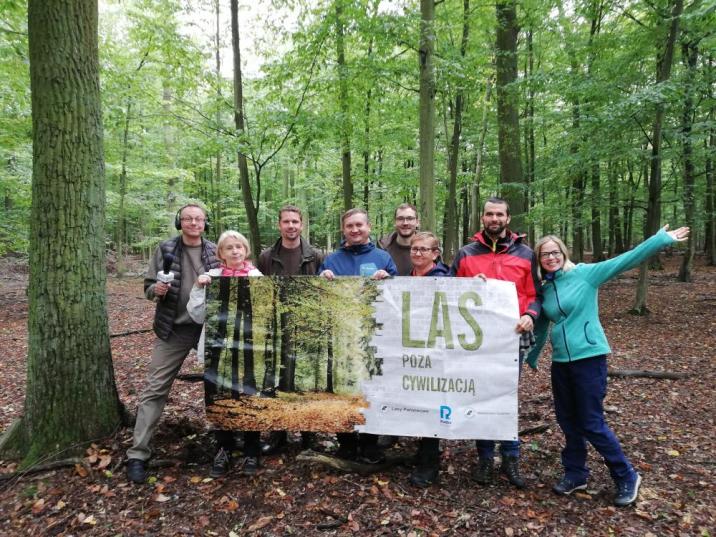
(409, 356)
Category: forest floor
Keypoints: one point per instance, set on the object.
(666, 428)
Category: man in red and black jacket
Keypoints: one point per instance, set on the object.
(498, 253)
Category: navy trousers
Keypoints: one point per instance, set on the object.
(579, 388)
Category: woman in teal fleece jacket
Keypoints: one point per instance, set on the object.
(579, 352)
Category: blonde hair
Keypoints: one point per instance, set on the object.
(231, 234)
(426, 236)
(566, 267)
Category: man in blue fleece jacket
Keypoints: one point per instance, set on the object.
(358, 256)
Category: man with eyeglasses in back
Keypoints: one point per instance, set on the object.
(498, 253)
(172, 271)
(397, 243)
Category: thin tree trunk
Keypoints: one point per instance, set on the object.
(451, 228)
(690, 56)
(475, 209)
(427, 115)
(345, 122)
(664, 62)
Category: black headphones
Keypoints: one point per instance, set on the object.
(177, 218)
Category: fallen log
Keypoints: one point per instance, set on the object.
(642, 373)
(191, 377)
(131, 332)
(349, 466)
(542, 427)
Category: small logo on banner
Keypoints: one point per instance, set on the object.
(469, 413)
(445, 412)
(384, 408)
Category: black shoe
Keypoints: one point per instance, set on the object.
(424, 476)
(136, 470)
(627, 491)
(276, 441)
(567, 486)
(251, 466)
(482, 473)
(510, 467)
(222, 463)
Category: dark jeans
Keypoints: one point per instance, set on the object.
(252, 442)
(508, 448)
(579, 388)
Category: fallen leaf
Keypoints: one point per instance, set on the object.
(673, 453)
(260, 523)
(161, 498)
(38, 506)
(104, 461)
(81, 470)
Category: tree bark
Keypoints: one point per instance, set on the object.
(511, 179)
(451, 227)
(664, 61)
(345, 123)
(71, 396)
(427, 115)
(251, 208)
(689, 56)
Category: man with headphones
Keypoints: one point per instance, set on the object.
(175, 266)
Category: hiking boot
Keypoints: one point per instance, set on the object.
(482, 473)
(222, 463)
(251, 466)
(627, 491)
(510, 468)
(276, 441)
(425, 475)
(567, 486)
(136, 470)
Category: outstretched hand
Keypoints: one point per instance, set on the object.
(678, 235)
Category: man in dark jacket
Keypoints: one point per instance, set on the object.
(498, 253)
(290, 255)
(187, 256)
(397, 243)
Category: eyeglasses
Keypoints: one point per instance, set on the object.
(420, 250)
(405, 218)
(189, 219)
(546, 255)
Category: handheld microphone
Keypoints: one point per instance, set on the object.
(166, 275)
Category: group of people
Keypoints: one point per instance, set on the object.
(553, 293)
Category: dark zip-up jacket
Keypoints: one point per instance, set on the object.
(167, 307)
(270, 264)
(507, 259)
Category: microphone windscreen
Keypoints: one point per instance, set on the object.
(168, 260)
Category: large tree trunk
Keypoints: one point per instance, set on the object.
(508, 137)
(71, 396)
(664, 61)
(451, 227)
(345, 125)
(427, 115)
(251, 208)
(690, 56)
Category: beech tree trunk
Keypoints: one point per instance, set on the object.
(451, 227)
(508, 133)
(689, 56)
(71, 397)
(427, 115)
(664, 61)
(345, 126)
(251, 208)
